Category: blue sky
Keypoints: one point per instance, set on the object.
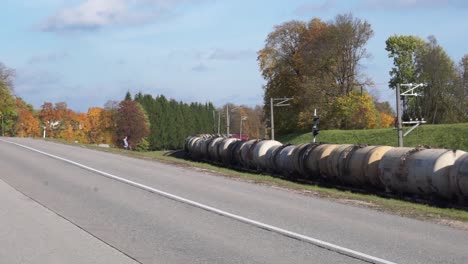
(85, 52)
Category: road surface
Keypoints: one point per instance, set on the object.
(122, 223)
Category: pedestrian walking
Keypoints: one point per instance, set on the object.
(125, 142)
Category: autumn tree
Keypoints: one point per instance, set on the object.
(254, 126)
(70, 127)
(62, 122)
(49, 118)
(384, 107)
(132, 122)
(79, 127)
(70, 124)
(26, 124)
(109, 121)
(283, 69)
(319, 88)
(7, 99)
(314, 63)
(357, 110)
(349, 36)
(95, 126)
(386, 120)
(387, 115)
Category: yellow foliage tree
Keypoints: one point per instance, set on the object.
(94, 118)
(81, 127)
(108, 126)
(354, 111)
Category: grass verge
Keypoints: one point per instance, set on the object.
(457, 218)
(449, 136)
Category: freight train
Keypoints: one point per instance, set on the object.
(431, 174)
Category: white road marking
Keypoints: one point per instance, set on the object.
(314, 241)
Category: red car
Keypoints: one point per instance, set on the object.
(244, 136)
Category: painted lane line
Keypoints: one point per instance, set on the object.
(314, 241)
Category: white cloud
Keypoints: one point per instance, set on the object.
(95, 14)
(91, 14)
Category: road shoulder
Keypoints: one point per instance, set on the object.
(31, 233)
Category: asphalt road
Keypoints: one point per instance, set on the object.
(30, 233)
(150, 228)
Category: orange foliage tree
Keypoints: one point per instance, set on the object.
(386, 120)
(98, 125)
(27, 125)
(61, 122)
(81, 127)
(49, 118)
(94, 121)
(66, 127)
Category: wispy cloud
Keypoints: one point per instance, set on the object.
(32, 79)
(37, 86)
(221, 54)
(213, 54)
(45, 58)
(91, 15)
(201, 68)
(305, 9)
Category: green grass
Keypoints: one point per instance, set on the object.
(452, 136)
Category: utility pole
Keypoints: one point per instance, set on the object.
(272, 120)
(398, 111)
(409, 92)
(214, 121)
(219, 122)
(240, 116)
(3, 126)
(243, 118)
(282, 102)
(227, 120)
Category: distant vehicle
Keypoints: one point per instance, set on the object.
(244, 136)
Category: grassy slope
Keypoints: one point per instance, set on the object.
(453, 136)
